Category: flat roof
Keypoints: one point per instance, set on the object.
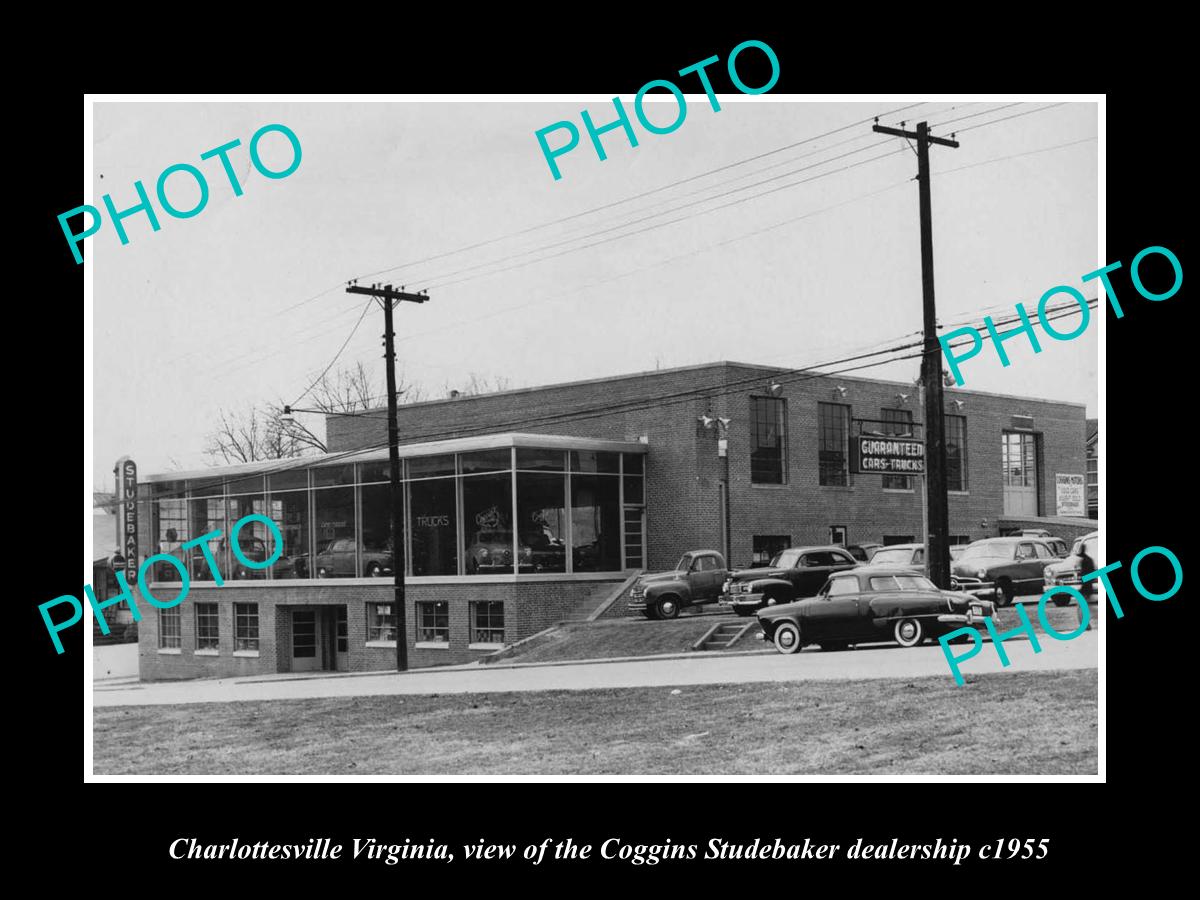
(428, 448)
(773, 370)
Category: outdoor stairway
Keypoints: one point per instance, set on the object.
(723, 635)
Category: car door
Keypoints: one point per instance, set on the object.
(812, 572)
(1027, 577)
(707, 578)
(343, 558)
(835, 614)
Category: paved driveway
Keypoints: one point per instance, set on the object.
(709, 668)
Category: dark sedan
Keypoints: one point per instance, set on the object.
(867, 605)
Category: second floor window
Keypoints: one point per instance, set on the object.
(833, 422)
(956, 453)
(768, 440)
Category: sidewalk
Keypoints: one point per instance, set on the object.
(693, 668)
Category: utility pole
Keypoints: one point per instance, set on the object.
(388, 298)
(937, 503)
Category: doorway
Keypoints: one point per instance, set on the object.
(1020, 461)
(306, 649)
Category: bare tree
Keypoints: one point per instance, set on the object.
(267, 432)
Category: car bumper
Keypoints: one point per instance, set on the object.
(742, 600)
(636, 603)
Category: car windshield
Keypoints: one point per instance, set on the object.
(685, 563)
(891, 555)
(987, 548)
(786, 559)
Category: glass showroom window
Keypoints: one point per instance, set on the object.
(255, 540)
(433, 622)
(487, 622)
(245, 626)
(169, 628)
(381, 622)
(207, 627)
(375, 526)
(595, 523)
(333, 523)
(542, 521)
(433, 523)
(172, 529)
(206, 513)
(768, 444)
(289, 510)
(487, 516)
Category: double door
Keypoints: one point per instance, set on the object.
(319, 639)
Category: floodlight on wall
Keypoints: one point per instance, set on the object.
(902, 399)
(706, 421)
(839, 391)
(775, 389)
(958, 404)
(724, 423)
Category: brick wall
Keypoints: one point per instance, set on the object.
(683, 470)
(528, 608)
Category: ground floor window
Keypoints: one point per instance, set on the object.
(433, 622)
(768, 546)
(487, 622)
(381, 622)
(169, 632)
(207, 627)
(245, 626)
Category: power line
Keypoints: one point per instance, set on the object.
(1028, 112)
(325, 371)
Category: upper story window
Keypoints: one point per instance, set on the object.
(833, 422)
(768, 440)
(956, 453)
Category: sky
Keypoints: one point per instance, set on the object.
(245, 302)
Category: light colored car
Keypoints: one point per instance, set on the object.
(1069, 571)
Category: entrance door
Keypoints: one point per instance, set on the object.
(306, 656)
(1019, 456)
(340, 641)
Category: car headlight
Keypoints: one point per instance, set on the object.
(982, 573)
(483, 553)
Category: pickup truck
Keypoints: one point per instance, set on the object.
(793, 574)
(696, 579)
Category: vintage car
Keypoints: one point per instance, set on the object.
(336, 560)
(1003, 568)
(491, 551)
(252, 548)
(696, 579)
(863, 552)
(1057, 544)
(793, 573)
(869, 604)
(1069, 571)
(910, 555)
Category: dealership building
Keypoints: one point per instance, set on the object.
(529, 506)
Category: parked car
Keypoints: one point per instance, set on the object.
(695, 580)
(252, 548)
(869, 604)
(1004, 567)
(912, 556)
(337, 560)
(1069, 571)
(1057, 544)
(793, 573)
(863, 552)
(956, 550)
(547, 553)
(493, 550)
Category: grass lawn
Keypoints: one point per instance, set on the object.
(608, 638)
(1021, 723)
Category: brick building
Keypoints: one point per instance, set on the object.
(524, 506)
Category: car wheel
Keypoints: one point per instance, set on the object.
(374, 570)
(908, 632)
(667, 607)
(322, 572)
(835, 645)
(1006, 593)
(787, 637)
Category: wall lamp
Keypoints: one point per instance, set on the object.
(775, 389)
(839, 391)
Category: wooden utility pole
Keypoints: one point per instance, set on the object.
(937, 503)
(388, 298)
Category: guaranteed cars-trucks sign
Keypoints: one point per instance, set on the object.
(889, 455)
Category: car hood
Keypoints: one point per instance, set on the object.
(1059, 566)
(971, 566)
(753, 574)
(673, 575)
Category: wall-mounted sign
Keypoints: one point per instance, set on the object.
(126, 478)
(1069, 492)
(433, 521)
(888, 455)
